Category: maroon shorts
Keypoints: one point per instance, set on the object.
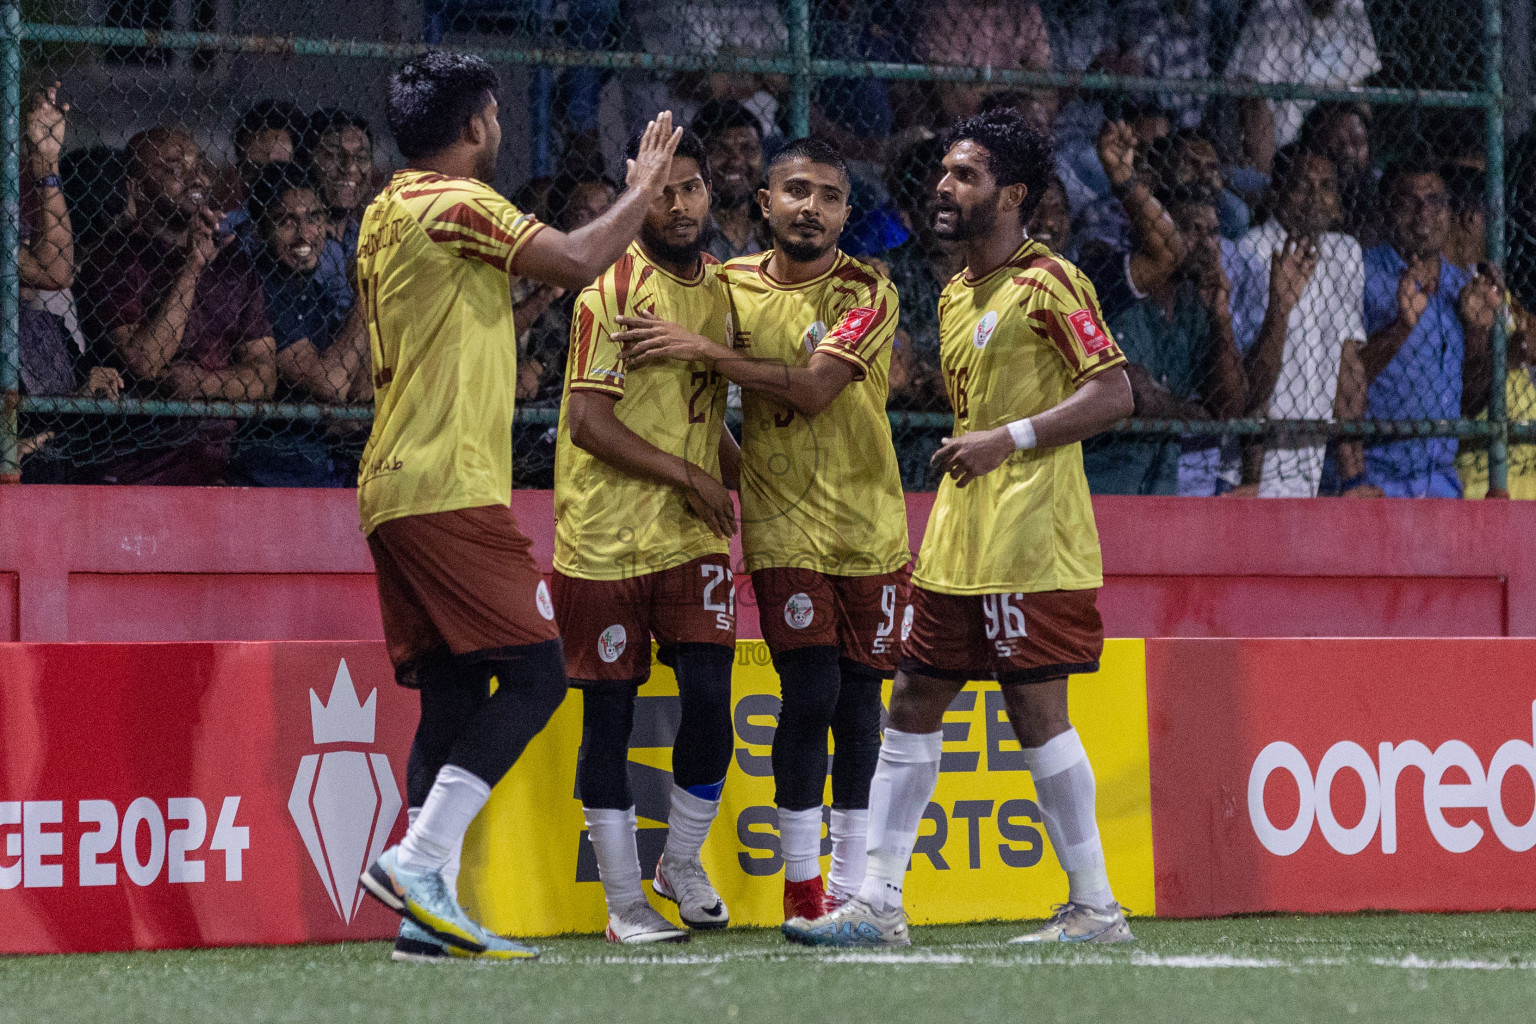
(860, 615)
(608, 624)
(464, 579)
(1013, 638)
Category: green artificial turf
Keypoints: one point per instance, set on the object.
(1397, 968)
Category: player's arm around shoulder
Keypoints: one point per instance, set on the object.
(1102, 393)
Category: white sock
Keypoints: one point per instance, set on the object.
(612, 834)
(1065, 789)
(898, 795)
(456, 797)
(688, 824)
(850, 834)
(800, 842)
(450, 870)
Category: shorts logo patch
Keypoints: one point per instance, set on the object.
(906, 624)
(984, 328)
(541, 599)
(799, 611)
(611, 643)
(854, 324)
(813, 335)
(1087, 330)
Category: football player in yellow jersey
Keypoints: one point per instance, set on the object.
(1006, 580)
(824, 526)
(467, 618)
(642, 535)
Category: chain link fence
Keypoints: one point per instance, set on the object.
(1293, 211)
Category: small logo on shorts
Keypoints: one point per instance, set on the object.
(984, 328)
(906, 624)
(541, 598)
(611, 643)
(799, 611)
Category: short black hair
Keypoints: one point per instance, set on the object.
(1288, 158)
(324, 121)
(1468, 188)
(1406, 167)
(432, 98)
(1017, 152)
(690, 146)
(268, 116)
(718, 116)
(814, 150)
(274, 182)
(1317, 119)
(563, 189)
(909, 177)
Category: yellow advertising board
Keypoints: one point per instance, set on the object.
(981, 853)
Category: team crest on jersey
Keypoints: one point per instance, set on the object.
(541, 599)
(611, 643)
(813, 335)
(799, 611)
(984, 328)
(906, 624)
(1087, 330)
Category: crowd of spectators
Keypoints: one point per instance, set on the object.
(1256, 259)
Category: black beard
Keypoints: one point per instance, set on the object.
(969, 226)
(485, 166)
(803, 252)
(678, 255)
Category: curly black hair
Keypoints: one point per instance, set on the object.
(433, 96)
(1017, 152)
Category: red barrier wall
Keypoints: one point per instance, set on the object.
(124, 563)
(180, 795)
(1320, 776)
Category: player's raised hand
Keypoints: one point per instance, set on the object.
(647, 338)
(972, 455)
(712, 503)
(652, 164)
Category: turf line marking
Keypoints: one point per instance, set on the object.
(1070, 958)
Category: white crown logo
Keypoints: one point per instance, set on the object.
(341, 719)
(344, 802)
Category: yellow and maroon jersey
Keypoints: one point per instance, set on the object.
(824, 493)
(1013, 344)
(610, 525)
(433, 260)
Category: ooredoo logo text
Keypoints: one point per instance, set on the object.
(1385, 797)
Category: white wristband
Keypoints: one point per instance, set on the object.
(1023, 434)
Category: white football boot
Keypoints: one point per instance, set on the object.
(685, 883)
(639, 923)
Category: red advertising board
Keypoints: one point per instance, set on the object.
(1336, 775)
(170, 795)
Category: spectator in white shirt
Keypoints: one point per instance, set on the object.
(1301, 318)
(1310, 42)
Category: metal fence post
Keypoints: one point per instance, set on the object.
(10, 219)
(1493, 82)
(800, 52)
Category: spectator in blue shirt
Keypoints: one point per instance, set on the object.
(1428, 322)
(337, 147)
(318, 358)
(267, 133)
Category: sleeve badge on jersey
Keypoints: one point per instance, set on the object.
(1087, 329)
(853, 325)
